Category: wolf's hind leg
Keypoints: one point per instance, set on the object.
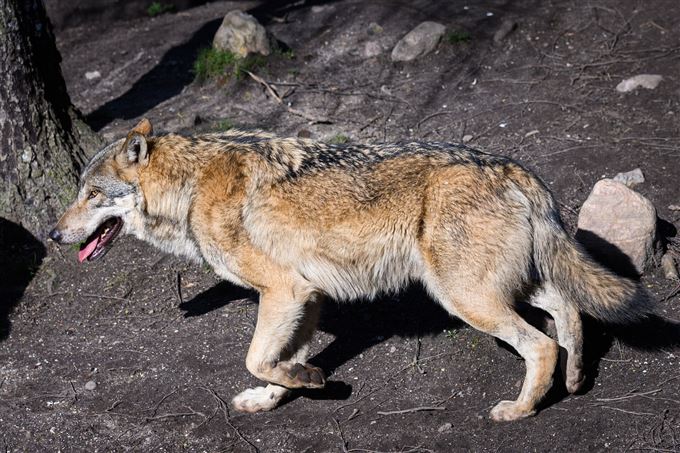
(489, 312)
(279, 349)
(569, 331)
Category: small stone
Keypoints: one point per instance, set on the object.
(304, 133)
(615, 220)
(630, 178)
(90, 385)
(507, 27)
(467, 138)
(670, 270)
(445, 428)
(649, 81)
(241, 34)
(91, 75)
(374, 29)
(674, 207)
(393, 349)
(372, 49)
(418, 42)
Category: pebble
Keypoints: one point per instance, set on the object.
(418, 42)
(91, 75)
(670, 271)
(507, 27)
(630, 178)
(445, 428)
(90, 385)
(649, 81)
(467, 138)
(372, 49)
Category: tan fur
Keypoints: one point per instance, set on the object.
(298, 220)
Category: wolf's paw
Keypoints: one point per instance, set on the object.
(307, 376)
(507, 411)
(575, 380)
(258, 399)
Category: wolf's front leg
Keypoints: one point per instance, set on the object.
(279, 349)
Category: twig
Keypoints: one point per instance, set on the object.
(415, 357)
(413, 409)
(155, 409)
(179, 288)
(113, 406)
(342, 406)
(410, 450)
(343, 443)
(632, 394)
(627, 412)
(176, 415)
(571, 148)
(672, 293)
(102, 296)
(75, 394)
(225, 411)
(277, 98)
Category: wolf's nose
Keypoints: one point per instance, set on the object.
(55, 235)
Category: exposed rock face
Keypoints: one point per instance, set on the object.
(418, 42)
(616, 222)
(242, 34)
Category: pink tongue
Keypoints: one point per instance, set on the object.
(88, 249)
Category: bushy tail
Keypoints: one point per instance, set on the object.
(581, 281)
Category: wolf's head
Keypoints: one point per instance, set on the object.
(108, 196)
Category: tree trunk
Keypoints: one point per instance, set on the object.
(43, 140)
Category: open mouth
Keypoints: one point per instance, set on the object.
(98, 243)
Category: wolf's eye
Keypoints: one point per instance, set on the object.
(92, 194)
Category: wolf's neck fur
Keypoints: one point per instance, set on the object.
(167, 191)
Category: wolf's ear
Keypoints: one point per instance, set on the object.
(144, 127)
(134, 150)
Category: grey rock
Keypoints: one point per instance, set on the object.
(418, 42)
(90, 385)
(242, 34)
(507, 27)
(649, 81)
(621, 217)
(467, 138)
(630, 178)
(670, 271)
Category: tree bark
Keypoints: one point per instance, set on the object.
(43, 140)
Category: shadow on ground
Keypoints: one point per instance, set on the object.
(167, 79)
(20, 257)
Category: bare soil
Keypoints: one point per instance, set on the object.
(160, 343)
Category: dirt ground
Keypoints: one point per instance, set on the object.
(141, 351)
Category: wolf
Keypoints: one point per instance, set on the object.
(299, 221)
